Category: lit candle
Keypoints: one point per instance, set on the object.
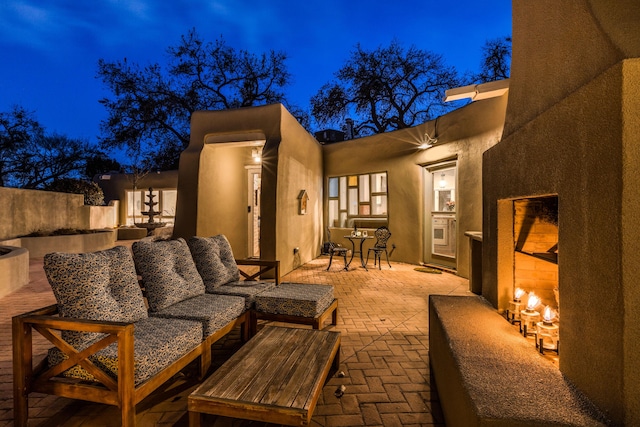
(530, 316)
(548, 316)
(513, 313)
(533, 302)
(547, 331)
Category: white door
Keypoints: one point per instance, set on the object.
(253, 211)
(441, 235)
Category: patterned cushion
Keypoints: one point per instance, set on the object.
(85, 287)
(157, 344)
(168, 272)
(246, 289)
(295, 299)
(213, 311)
(123, 283)
(214, 259)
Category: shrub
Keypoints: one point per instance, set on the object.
(93, 194)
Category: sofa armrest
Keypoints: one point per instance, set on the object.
(264, 267)
(47, 323)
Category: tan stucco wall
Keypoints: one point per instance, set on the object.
(212, 185)
(15, 269)
(26, 211)
(299, 168)
(462, 135)
(572, 128)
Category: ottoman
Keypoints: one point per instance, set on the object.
(297, 303)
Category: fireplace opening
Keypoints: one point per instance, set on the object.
(536, 301)
(535, 232)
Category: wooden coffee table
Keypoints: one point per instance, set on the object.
(276, 377)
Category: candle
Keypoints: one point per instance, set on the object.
(533, 302)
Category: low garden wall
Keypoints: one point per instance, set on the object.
(39, 246)
(14, 265)
(28, 211)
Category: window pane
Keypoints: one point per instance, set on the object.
(379, 205)
(169, 202)
(353, 201)
(343, 193)
(364, 188)
(333, 213)
(379, 182)
(343, 219)
(353, 181)
(333, 187)
(365, 210)
(444, 194)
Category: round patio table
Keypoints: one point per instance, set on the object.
(353, 239)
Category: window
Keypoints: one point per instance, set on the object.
(358, 199)
(165, 207)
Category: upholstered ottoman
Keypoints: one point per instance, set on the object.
(296, 303)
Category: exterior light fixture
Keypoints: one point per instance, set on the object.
(256, 153)
(530, 316)
(428, 140)
(547, 337)
(513, 313)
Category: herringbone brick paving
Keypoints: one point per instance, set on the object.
(384, 359)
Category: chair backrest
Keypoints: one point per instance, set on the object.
(382, 236)
(329, 235)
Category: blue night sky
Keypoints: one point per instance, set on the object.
(50, 48)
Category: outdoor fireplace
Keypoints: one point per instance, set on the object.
(571, 139)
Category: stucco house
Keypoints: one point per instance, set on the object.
(427, 194)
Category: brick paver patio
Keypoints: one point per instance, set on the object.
(384, 324)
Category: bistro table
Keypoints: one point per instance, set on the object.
(353, 239)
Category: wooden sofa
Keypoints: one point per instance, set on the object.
(108, 347)
(113, 346)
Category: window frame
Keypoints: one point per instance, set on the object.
(354, 198)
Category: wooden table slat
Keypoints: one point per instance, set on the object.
(276, 377)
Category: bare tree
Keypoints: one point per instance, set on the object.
(152, 105)
(385, 89)
(496, 60)
(31, 159)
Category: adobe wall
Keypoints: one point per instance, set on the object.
(26, 211)
(212, 184)
(571, 130)
(463, 135)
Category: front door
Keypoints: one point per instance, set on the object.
(441, 235)
(253, 210)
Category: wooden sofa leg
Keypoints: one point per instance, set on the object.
(334, 316)
(22, 366)
(253, 324)
(205, 360)
(126, 378)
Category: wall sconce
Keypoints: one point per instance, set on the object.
(529, 316)
(513, 312)
(547, 336)
(256, 153)
(428, 142)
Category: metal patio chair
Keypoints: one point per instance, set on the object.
(336, 248)
(382, 236)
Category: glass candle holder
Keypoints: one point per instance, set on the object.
(547, 336)
(513, 313)
(528, 320)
